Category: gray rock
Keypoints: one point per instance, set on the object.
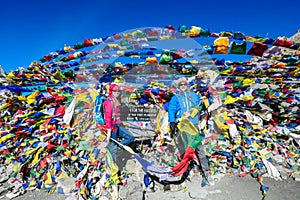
(198, 194)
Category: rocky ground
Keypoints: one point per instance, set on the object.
(227, 187)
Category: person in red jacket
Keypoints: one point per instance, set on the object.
(113, 123)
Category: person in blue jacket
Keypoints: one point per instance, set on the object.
(181, 104)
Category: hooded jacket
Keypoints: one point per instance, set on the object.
(112, 111)
(183, 102)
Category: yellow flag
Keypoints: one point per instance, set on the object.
(48, 180)
(193, 112)
(226, 72)
(250, 39)
(10, 75)
(220, 124)
(113, 45)
(68, 153)
(225, 116)
(68, 48)
(113, 168)
(62, 175)
(206, 102)
(30, 151)
(2, 139)
(247, 98)
(3, 106)
(230, 100)
(185, 125)
(248, 81)
(120, 53)
(92, 158)
(36, 157)
(82, 97)
(195, 29)
(31, 97)
(22, 98)
(16, 167)
(32, 183)
(255, 126)
(74, 158)
(255, 144)
(194, 62)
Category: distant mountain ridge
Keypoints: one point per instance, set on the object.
(294, 38)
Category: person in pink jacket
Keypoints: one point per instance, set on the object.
(114, 126)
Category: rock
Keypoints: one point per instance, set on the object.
(67, 184)
(175, 188)
(103, 198)
(72, 197)
(296, 177)
(199, 194)
(131, 166)
(283, 173)
(217, 177)
(133, 190)
(3, 189)
(215, 192)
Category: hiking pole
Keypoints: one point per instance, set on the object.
(127, 148)
(173, 129)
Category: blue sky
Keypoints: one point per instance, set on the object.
(31, 29)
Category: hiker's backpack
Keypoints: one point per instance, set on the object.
(99, 109)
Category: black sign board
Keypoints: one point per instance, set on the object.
(141, 113)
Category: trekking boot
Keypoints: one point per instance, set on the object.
(208, 178)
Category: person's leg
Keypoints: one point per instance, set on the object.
(185, 140)
(204, 165)
(179, 144)
(126, 136)
(202, 157)
(114, 134)
(112, 146)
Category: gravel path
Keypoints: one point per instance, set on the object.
(227, 188)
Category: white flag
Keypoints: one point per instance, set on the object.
(69, 112)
